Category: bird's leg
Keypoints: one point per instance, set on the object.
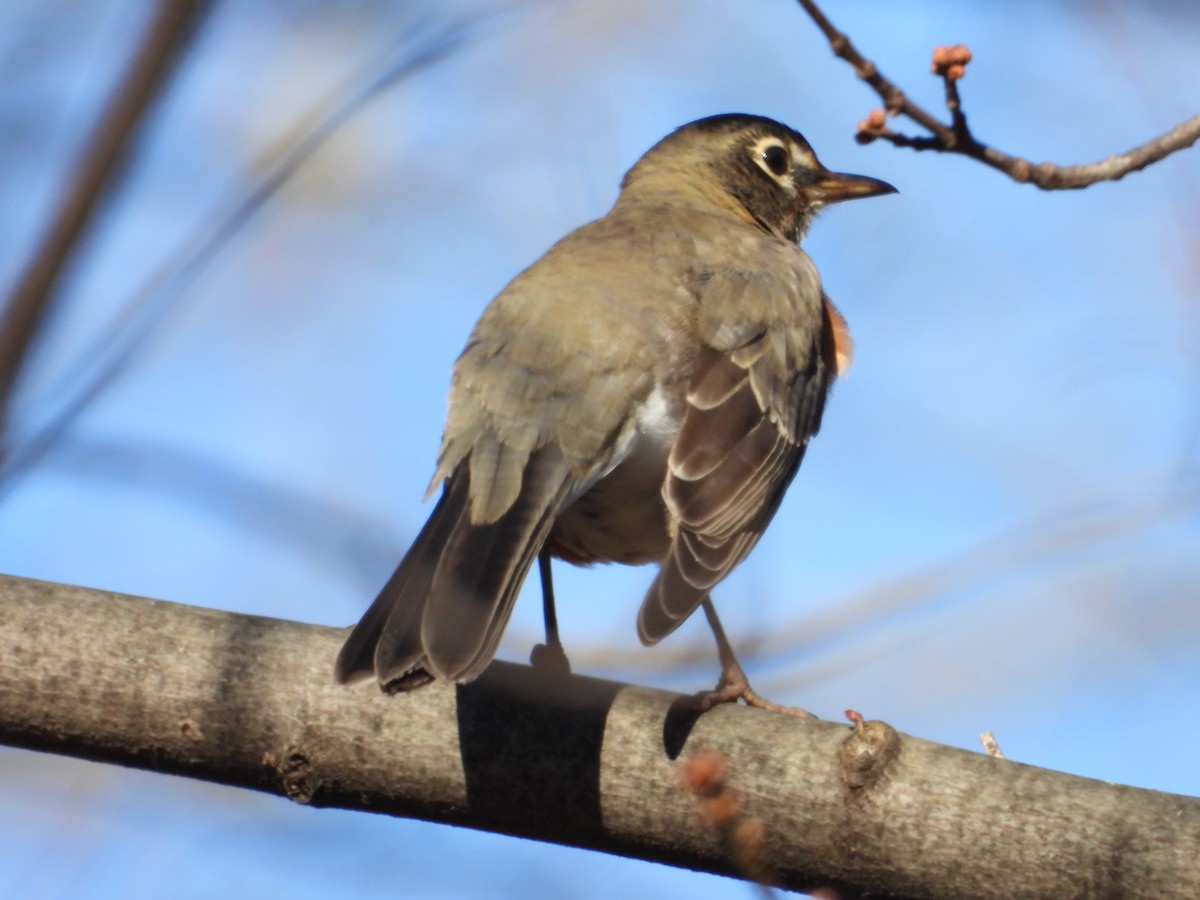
(550, 655)
(733, 684)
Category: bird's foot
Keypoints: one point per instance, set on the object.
(550, 659)
(734, 686)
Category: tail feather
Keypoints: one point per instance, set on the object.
(442, 613)
(377, 645)
(482, 569)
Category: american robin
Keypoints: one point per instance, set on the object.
(643, 393)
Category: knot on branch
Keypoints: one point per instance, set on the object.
(868, 752)
(950, 62)
(1021, 171)
(295, 773)
(866, 70)
(894, 100)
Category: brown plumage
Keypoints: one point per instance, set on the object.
(642, 393)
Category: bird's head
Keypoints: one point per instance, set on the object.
(756, 166)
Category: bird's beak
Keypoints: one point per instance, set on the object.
(835, 187)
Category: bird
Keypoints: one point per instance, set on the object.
(641, 394)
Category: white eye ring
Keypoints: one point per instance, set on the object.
(774, 158)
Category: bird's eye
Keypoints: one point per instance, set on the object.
(776, 159)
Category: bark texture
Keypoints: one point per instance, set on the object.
(866, 811)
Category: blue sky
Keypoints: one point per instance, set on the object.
(998, 527)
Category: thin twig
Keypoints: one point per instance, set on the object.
(93, 178)
(990, 746)
(956, 137)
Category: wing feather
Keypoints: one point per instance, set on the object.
(751, 409)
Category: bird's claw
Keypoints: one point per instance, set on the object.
(734, 686)
(551, 659)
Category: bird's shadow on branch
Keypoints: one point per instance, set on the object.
(520, 728)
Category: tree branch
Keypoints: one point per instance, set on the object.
(250, 702)
(956, 137)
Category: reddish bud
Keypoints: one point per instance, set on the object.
(951, 62)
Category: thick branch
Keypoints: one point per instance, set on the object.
(956, 137)
(92, 178)
(250, 701)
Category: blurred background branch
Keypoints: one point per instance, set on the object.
(130, 331)
(94, 177)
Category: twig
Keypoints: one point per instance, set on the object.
(94, 176)
(990, 746)
(956, 137)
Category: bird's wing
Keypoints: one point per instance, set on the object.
(756, 396)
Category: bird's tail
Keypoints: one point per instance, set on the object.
(442, 613)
